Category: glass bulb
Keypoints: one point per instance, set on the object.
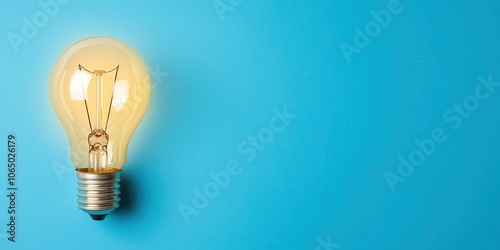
(100, 89)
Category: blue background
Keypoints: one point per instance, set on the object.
(321, 178)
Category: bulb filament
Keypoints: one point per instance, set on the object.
(98, 138)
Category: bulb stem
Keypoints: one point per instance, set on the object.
(99, 81)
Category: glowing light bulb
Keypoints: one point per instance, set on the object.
(100, 89)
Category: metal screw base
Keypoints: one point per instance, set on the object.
(98, 194)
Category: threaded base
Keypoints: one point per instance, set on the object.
(98, 194)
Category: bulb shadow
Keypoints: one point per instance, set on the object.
(132, 205)
(128, 202)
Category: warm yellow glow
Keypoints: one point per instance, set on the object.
(124, 93)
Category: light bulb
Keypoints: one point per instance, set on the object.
(100, 89)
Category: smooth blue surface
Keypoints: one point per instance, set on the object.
(322, 178)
